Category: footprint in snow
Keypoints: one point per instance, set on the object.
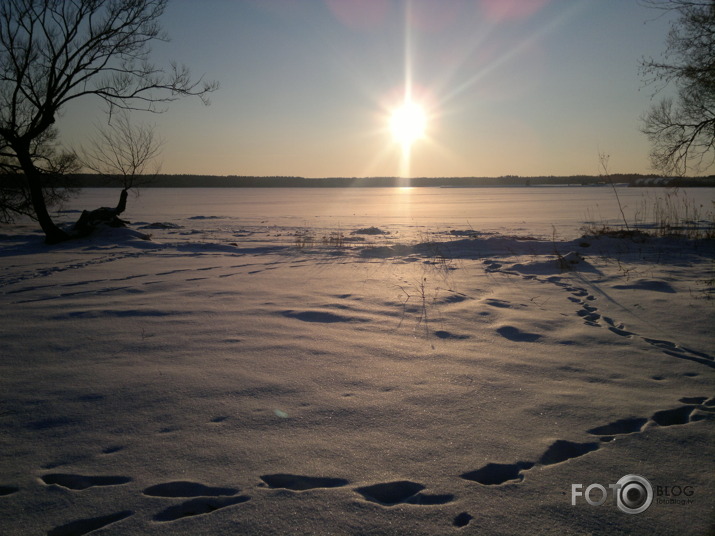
(203, 499)
(462, 520)
(8, 490)
(667, 417)
(302, 483)
(559, 451)
(629, 425)
(515, 334)
(442, 334)
(386, 494)
(648, 284)
(186, 489)
(402, 492)
(197, 507)
(672, 417)
(85, 526)
(497, 473)
(502, 304)
(321, 317)
(81, 482)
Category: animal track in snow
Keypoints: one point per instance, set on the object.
(590, 315)
(620, 332)
(681, 352)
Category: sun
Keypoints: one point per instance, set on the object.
(408, 123)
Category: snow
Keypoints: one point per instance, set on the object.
(309, 362)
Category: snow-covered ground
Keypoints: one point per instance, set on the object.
(429, 361)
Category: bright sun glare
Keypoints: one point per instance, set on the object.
(408, 123)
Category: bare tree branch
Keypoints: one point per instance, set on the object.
(123, 152)
(682, 131)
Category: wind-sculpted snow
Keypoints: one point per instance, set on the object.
(251, 376)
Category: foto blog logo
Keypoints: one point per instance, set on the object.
(633, 494)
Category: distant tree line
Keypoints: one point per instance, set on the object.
(235, 181)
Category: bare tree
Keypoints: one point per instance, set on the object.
(53, 52)
(124, 153)
(682, 130)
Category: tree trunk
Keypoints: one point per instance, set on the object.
(87, 221)
(91, 218)
(122, 205)
(53, 234)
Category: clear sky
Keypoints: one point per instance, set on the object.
(507, 87)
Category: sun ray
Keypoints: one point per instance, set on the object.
(518, 48)
(406, 147)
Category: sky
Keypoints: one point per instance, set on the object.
(308, 87)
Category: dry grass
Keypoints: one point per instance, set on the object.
(669, 213)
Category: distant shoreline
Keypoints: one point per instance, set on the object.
(232, 181)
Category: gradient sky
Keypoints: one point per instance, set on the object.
(511, 87)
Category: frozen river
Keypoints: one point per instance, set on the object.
(535, 211)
